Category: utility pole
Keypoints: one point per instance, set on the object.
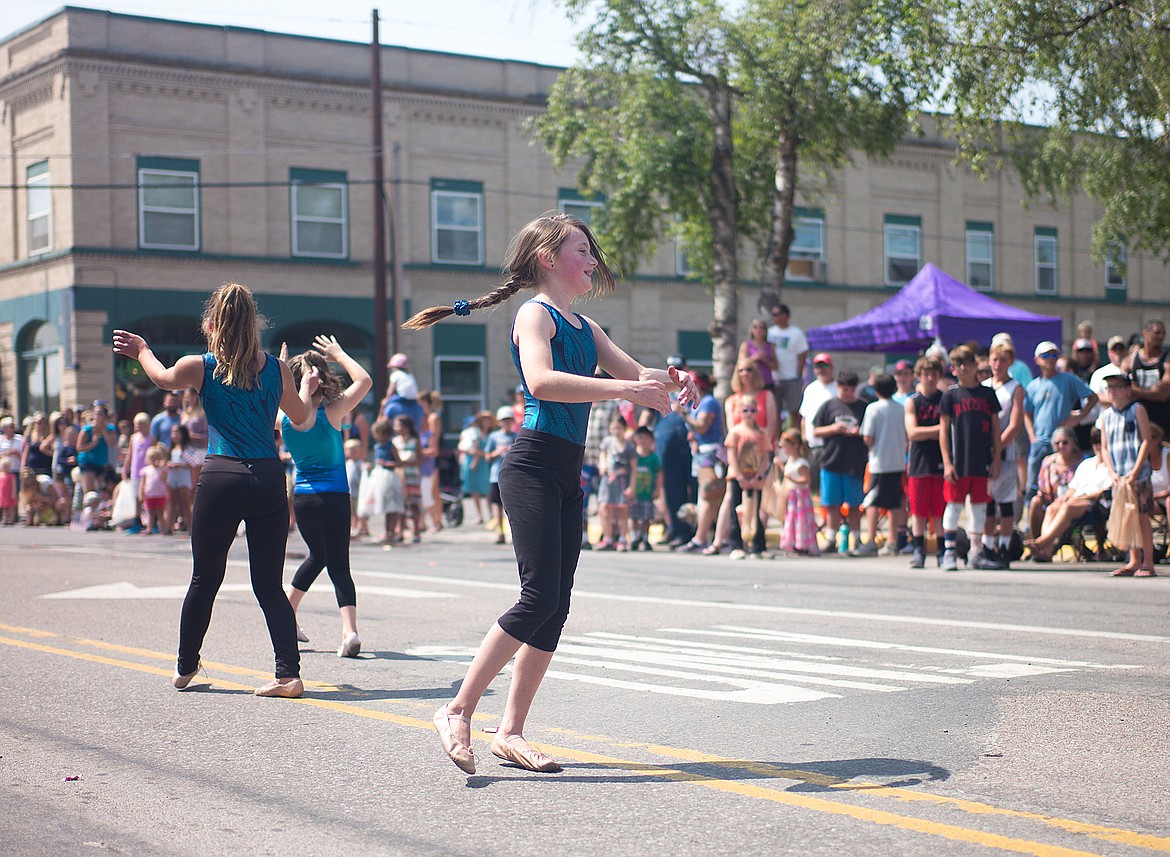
(381, 353)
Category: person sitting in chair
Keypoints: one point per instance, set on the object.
(1088, 484)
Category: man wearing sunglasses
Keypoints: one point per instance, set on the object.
(791, 352)
(1052, 400)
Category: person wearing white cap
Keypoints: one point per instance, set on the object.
(1052, 400)
(497, 446)
(1019, 370)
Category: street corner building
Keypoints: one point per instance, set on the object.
(146, 161)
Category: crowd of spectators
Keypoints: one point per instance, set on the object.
(855, 468)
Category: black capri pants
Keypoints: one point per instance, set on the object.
(232, 490)
(323, 520)
(540, 484)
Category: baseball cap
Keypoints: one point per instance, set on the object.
(1046, 347)
(676, 360)
(903, 366)
(1082, 344)
(1116, 342)
(822, 357)
(1002, 338)
(398, 361)
(505, 413)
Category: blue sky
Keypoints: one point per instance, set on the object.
(532, 30)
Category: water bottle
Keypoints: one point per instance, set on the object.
(843, 539)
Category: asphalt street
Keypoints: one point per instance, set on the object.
(700, 705)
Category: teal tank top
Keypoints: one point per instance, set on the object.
(319, 454)
(575, 352)
(241, 423)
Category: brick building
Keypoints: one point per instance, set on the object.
(146, 161)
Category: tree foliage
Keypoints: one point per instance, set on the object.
(1096, 73)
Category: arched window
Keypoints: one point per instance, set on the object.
(169, 338)
(40, 368)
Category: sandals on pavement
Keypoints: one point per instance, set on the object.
(1145, 571)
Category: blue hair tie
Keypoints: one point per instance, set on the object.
(461, 308)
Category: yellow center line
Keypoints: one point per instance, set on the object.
(652, 771)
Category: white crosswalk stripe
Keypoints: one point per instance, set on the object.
(764, 667)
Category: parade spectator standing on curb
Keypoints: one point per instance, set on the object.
(838, 424)
(497, 446)
(473, 466)
(1004, 489)
(1125, 449)
(133, 463)
(709, 463)
(165, 420)
(758, 349)
(556, 351)
(749, 452)
(646, 488)
(1083, 365)
(321, 492)
(924, 479)
(242, 479)
(883, 428)
(11, 443)
(791, 349)
(596, 431)
(904, 378)
(95, 446)
(1054, 399)
(969, 440)
(613, 506)
(1149, 370)
(1117, 351)
(674, 451)
(820, 390)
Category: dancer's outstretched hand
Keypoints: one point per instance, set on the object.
(688, 394)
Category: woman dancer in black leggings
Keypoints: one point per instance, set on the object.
(556, 352)
(242, 478)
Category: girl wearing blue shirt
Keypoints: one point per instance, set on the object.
(242, 478)
(556, 352)
(321, 493)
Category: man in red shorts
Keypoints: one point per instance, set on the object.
(969, 441)
(924, 471)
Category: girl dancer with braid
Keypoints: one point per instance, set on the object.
(242, 478)
(556, 352)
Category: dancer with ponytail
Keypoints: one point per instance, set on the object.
(242, 478)
(556, 352)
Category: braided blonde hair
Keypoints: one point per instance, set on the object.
(232, 327)
(544, 234)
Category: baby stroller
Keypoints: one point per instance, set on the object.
(450, 489)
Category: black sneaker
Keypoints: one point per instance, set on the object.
(986, 560)
(1002, 554)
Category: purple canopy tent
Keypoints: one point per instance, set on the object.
(934, 305)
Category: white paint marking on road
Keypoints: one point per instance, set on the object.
(760, 694)
(741, 607)
(740, 632)
(126, 591)
(775, 665)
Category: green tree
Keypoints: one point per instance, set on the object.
(1075, 94)
(649, 109)
(819, 81)
(693, 121)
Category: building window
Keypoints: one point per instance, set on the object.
(682, 259)
(460, 374)
(456, 222)
(319, 206)
(806, 256)
(696, 347)
(168, 204)
(903, 240)
(1045, 241)
(40, 208)
(981, 256)
(40, 368)
(572, 202)
(1115, 257)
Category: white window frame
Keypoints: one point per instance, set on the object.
(343, 220)
(1114, 279)
(436, 195)
(682, 260)
(973, 259)
(806, 255)
(144, 209)
(1038, 240)
(887, 232)
(449, 398)
(579, 207)
(33, 215)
